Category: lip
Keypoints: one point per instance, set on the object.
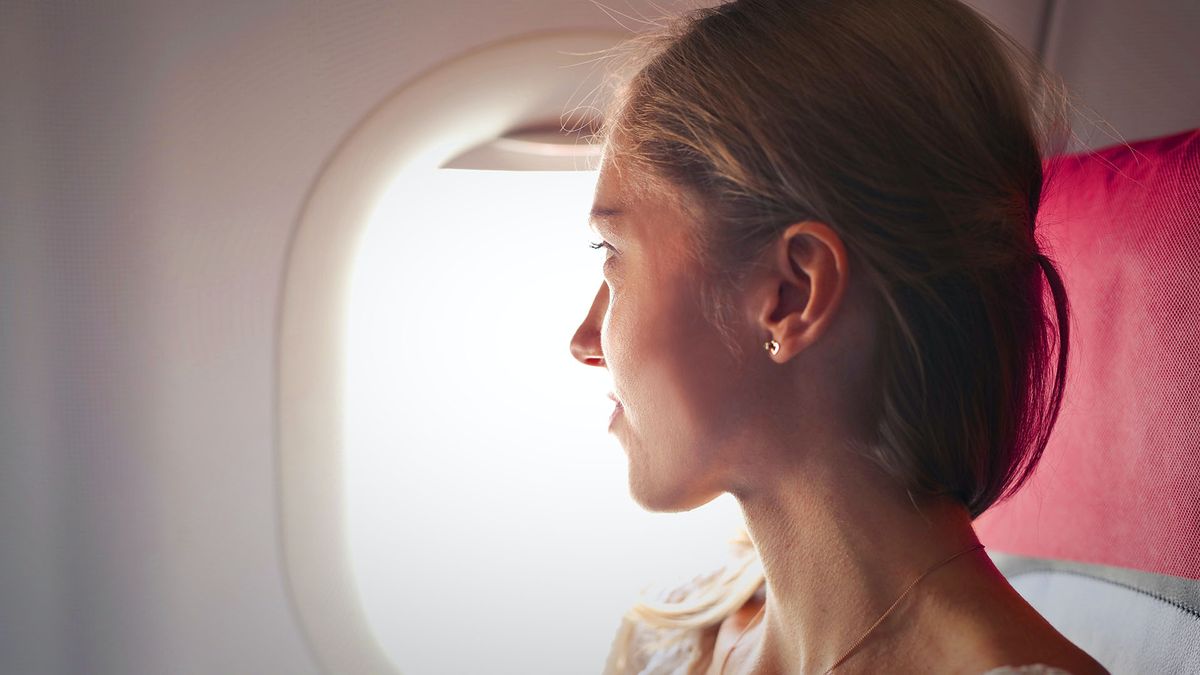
(614, 398)
(615, 413)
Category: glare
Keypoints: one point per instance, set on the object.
(490, 523)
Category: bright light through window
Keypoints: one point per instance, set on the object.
(490, 524)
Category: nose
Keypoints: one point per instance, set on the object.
(585, 344)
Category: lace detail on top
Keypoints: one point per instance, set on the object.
(1035, 669)
(634, 652)
(639, 649)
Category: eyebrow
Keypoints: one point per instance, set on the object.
(604, 214)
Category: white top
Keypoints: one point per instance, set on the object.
(1037, 669)
(687, 652)
(630, 655)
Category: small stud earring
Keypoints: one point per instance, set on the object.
(771, 346)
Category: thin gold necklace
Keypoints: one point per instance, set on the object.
(875, 625)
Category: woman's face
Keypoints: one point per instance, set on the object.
(676, 384)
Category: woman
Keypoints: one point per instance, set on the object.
(823, 294)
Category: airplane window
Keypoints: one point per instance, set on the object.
(489, 523)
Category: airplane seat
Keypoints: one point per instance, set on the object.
(1104, 540)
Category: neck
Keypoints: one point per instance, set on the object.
(837, 555)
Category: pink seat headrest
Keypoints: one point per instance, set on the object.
(1119, 483)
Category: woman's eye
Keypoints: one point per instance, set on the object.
(603, 244)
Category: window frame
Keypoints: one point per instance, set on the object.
(457, 105)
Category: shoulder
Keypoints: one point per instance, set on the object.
(673, 630)
(640, 649)
(643, 648)
(1034, 669)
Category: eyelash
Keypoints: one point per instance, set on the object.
(602, 244)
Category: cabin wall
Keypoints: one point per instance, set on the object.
(154, 157)
(1132, 66)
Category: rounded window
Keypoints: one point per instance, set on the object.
(448, 484)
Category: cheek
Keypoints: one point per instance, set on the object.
(626, 338)
(664, 358)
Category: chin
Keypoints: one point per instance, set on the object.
(656, 495)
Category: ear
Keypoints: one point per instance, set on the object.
(806, 277)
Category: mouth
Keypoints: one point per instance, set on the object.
(616, 410)
(615, 414)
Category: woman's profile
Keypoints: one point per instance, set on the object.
(823, 294)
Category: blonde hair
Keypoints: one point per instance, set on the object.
(676, 624)
(917, 130)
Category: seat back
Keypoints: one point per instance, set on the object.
(1105, 538)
